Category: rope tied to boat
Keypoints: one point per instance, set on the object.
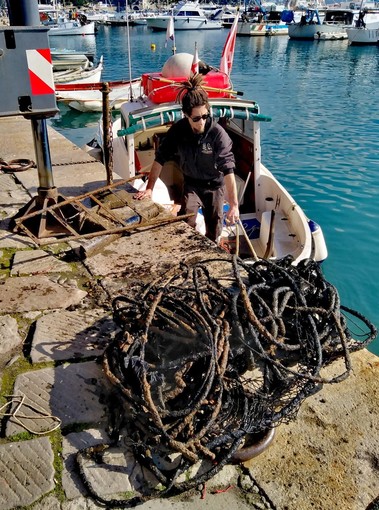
(221, 349)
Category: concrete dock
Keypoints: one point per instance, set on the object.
(56, 320)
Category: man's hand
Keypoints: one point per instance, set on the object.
(233, 215)
(147, 193)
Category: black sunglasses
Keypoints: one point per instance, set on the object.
(199, 117)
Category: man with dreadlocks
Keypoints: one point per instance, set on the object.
(206, 160)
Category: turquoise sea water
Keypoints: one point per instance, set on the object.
(322, 143)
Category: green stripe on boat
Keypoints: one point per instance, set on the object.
(141, 121)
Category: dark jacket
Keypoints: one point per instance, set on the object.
(205, 157)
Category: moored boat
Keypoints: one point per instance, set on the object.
(369, 34)
(64, 60)
(264, 23)
(333, 26)
(65, 27)
(60, 24)
(186, 16)
(79, 74)
(89, 98)
(274, 225)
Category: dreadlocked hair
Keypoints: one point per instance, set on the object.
(192, 94)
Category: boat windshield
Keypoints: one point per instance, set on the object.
(188, 13)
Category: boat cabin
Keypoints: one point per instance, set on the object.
(338, 17)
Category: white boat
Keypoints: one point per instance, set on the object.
(364, 35)
(65, 27)
(90, 99)
(79, 75)
(334, 25)
(101, 13)
(141, 17)
(60, 24)
(261, 22)
(186, 16)
(131, 18)
(227, 19)
(101, 17)
(64, 60)
(274, 225)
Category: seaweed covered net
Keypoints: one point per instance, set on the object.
(222, 349)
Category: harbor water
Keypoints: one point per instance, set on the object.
(322, 143)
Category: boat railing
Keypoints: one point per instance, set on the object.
(144, 119)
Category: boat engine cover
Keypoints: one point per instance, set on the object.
(178, 65)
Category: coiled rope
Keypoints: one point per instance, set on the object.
(16, 165)
(203, 361)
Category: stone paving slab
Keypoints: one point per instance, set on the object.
(328, 457)
(8, 183)
(13, 199)
(118, 472)
(73, 393)
(64, 335)
(32, 262)
(11, 240)
(71, 444)
(229, 500)
(26, 472)
(24, 294)
(9, 335)
(11, 193)
(146, 255)
(140, 256)
(85, 173)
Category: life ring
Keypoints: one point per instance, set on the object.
(16, 165)
(255, 445)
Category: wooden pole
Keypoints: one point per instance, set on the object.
(107, 138)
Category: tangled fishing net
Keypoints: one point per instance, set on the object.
(222, 349)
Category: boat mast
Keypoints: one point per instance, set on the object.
(129, 52)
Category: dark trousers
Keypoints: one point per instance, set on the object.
(212, 203)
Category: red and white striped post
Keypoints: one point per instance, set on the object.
(40, 70)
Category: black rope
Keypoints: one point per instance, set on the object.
(202, 362)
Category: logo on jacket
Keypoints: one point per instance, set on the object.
(206, 148)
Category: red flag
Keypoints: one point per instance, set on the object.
(228, 51)
(195, 62)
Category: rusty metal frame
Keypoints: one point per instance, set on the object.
(69, 233)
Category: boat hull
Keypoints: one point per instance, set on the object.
(92, 100)
(261, 29)
(79, 76)
(65, 60)
(329, 29)
(362, 36)
(297, 31)
(72, 28)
